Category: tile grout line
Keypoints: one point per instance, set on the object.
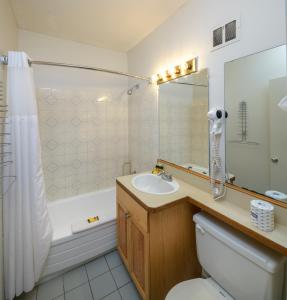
(113, 276)
(122, 264)
(90, 279)
(89, 282)
(109, 270)
(65, 292)
(63, 287)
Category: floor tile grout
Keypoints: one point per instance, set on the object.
(108, 263)
(88, 282)
(65, 292)
(63, 286)
(113, 276)
(110, 294)
(36, 293)
(98, 275)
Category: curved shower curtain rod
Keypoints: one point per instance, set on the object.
(4, 60)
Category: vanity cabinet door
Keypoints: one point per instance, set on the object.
(139, 248)
(122, 220)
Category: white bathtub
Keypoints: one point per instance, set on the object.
(70, 249)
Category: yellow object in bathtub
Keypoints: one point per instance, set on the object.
(93, 219)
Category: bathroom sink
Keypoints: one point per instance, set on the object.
(153, 184)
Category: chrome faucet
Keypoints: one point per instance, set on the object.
(165, 176)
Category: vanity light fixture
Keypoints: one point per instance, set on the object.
(186, 68)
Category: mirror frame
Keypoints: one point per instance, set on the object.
(227, 185)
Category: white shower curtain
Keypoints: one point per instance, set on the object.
(27, 228)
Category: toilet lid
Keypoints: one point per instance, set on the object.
(195, 289)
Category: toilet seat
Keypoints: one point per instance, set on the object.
(197, 289)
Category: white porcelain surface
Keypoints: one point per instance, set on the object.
(64, 212)
(153, 184)
(258, 269)
(83, 246)
(197, 288)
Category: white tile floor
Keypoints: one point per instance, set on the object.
(105, 278)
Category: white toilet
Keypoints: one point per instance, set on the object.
(239, 267)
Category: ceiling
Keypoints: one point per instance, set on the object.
(112, 24)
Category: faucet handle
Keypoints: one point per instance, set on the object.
(166, 176)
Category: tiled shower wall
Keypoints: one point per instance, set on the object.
(143, 128)
(84, 137)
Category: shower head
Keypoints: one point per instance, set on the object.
(130, 91)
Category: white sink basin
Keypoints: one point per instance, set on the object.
(153, 184)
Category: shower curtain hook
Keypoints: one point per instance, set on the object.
(4, 59)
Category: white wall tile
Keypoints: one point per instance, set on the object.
(84, 142)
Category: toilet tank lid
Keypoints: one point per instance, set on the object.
(264, 257)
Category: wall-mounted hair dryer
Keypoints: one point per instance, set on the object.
(216, 118)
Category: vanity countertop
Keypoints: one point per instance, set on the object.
(227, 211)
(153, 202)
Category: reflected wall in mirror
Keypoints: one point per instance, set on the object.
(256, 129)
(183, 107)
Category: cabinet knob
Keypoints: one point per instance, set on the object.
(127, 215)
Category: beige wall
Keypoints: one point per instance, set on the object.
(47, 48)
(8, 41)
(8, 27)
(188, 33)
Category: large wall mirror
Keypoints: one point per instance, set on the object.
(183, 123)
(256, 129)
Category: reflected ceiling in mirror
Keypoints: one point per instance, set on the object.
(183, 107)
(256, 136)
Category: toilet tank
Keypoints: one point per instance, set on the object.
(244, 268)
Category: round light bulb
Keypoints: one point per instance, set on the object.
(163, 74)
(184, 67)
(177, 70)
(154, 78)
(172, 71)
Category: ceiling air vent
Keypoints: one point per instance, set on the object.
(217, 37)
(230, 31)
(226, 34)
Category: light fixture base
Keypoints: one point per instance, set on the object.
(187, 68)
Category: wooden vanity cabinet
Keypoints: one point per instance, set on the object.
(157, 246)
